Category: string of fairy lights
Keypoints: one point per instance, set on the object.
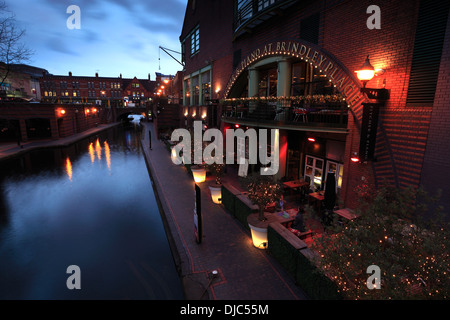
(245, 64)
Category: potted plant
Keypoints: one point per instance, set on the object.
(216, 188)
(262, 190)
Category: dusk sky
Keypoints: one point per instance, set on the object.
(116, 36)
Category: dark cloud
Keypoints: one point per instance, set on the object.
(57, 44)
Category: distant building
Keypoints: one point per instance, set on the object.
(20, 82)
(105, 91)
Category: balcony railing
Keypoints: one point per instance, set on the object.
(320, 115)
(248, 9)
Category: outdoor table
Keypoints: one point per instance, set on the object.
(296, 184)
(317, 198)
(346, 213)
(292, 185)
(283, 217)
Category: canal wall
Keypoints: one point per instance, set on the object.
(192, 285)
(8, 151)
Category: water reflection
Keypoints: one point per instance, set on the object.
(98, 150)
(91, 152)
(108, 155)
(65, 207)
(69, 169)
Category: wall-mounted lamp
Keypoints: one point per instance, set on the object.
(355, 157)
(365, 74)
(312, 139)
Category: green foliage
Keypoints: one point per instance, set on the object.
(411, 252)
(262, 190)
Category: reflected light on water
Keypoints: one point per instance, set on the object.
(108, 155)
(98, 149)
(69, 168)
(91, 152)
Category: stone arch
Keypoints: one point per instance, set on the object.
(344, 80)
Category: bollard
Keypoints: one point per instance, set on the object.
(150, 139)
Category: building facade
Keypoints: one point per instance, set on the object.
(105, 91)
(290, 66)
(20, 82)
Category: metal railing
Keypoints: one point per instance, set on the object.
(246, 9)
(333, 115)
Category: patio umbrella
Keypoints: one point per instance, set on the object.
(329, 200)
(330, 191)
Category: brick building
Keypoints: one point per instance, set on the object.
(290, 65)
(105, 91)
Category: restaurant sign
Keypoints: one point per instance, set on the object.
(369, 126)
(310, 53)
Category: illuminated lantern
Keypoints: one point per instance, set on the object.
(259, 237)
(366, 72)
(354, 157)
(216, 194)
(199, 174)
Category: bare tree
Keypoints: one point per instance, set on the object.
(12, 50)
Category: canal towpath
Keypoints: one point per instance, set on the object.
(225, 265)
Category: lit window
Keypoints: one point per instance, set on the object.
(195, 41)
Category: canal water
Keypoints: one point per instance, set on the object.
(90, 205)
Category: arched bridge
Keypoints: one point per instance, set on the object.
(122, 113)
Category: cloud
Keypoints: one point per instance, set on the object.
(57, 44)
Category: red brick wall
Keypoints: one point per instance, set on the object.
(409, 138)
(67, 127)
(215, 19)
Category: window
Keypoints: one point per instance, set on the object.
(195, 41)
(314, 170)
(187, 90)
(268, 83)
(206, 87)
(195, 90)
(309, 28)
(262, 4)
(307, 81)
(428, 44)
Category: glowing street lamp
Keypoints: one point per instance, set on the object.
(365, 74)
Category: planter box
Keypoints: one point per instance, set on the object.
(293, 254)
(229, 194)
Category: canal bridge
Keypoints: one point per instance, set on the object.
(21, 121)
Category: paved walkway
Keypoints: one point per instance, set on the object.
(244, 272)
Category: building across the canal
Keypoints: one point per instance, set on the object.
(291, 65)
(106, 91)
(39, 105)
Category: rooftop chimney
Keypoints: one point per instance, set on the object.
(96, 74)
(70, 73)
